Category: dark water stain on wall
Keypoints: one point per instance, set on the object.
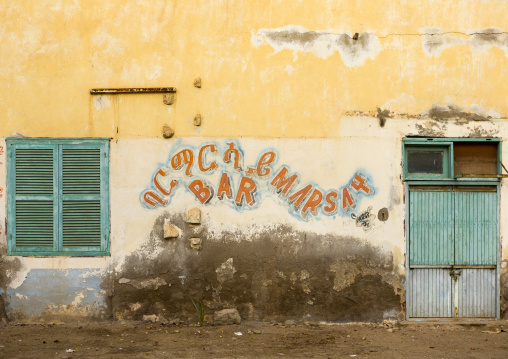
(504, 289)
(8, 266)
(488, 37)
(439, 112)
(274, 273)
(431, 129)
(283, 36)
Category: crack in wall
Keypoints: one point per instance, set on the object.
(356, 49)
(441, 34)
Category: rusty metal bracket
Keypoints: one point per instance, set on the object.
(168, 98)
(503, 166)
(132, 90)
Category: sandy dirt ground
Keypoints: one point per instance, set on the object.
(256, 340)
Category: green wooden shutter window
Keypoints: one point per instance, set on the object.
(58, 201)
(81, 207)
(35, 198)
(34, 172)
(81, 171)
(34, 224)
(81, 223)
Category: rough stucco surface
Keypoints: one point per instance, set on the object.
(279, 274)
(266, 69)
(266, 261)
(331, 94)
(504, 289)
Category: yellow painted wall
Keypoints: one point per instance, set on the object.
(53, 52)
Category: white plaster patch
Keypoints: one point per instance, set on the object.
(77, 300)
(153, 283)
(354, 52)
(92, 273)
(289, 69)
(21, 296)
(135, 306)
(484, 39)
(101, 102)
(19, 276)
(434, 42)
(225, 271)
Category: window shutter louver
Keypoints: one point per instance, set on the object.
(81, 202)
(35, 198)
(58, 197)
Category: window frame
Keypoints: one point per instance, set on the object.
(444, 147)
(445, 144)
(58, 198)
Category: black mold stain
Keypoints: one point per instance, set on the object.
(290, 36)
(440, 113)
(489, 36)
(382, 115)
(280, 273)
(433, 43)
(357, 44)
(11, 265)
(479, 132)
(435, 129)
(355, 47)
(504, 289)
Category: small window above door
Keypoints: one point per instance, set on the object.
(475, 158)
(427, 161)
(451, 158)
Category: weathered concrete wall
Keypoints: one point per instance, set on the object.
(329, 88)
(267, 70)
(262, 256)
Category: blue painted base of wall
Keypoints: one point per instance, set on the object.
(73, 292)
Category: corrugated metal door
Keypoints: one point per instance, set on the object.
(475, 251)
(452, 252)
(430, 252)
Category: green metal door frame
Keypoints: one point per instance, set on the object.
(461, 182)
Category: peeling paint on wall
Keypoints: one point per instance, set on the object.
(45, 292)
(485, 39)
(354, 50)
(440, 112)
(406, 106)
(435, 40)
(282, 274)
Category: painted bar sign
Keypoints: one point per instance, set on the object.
(243, 188)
